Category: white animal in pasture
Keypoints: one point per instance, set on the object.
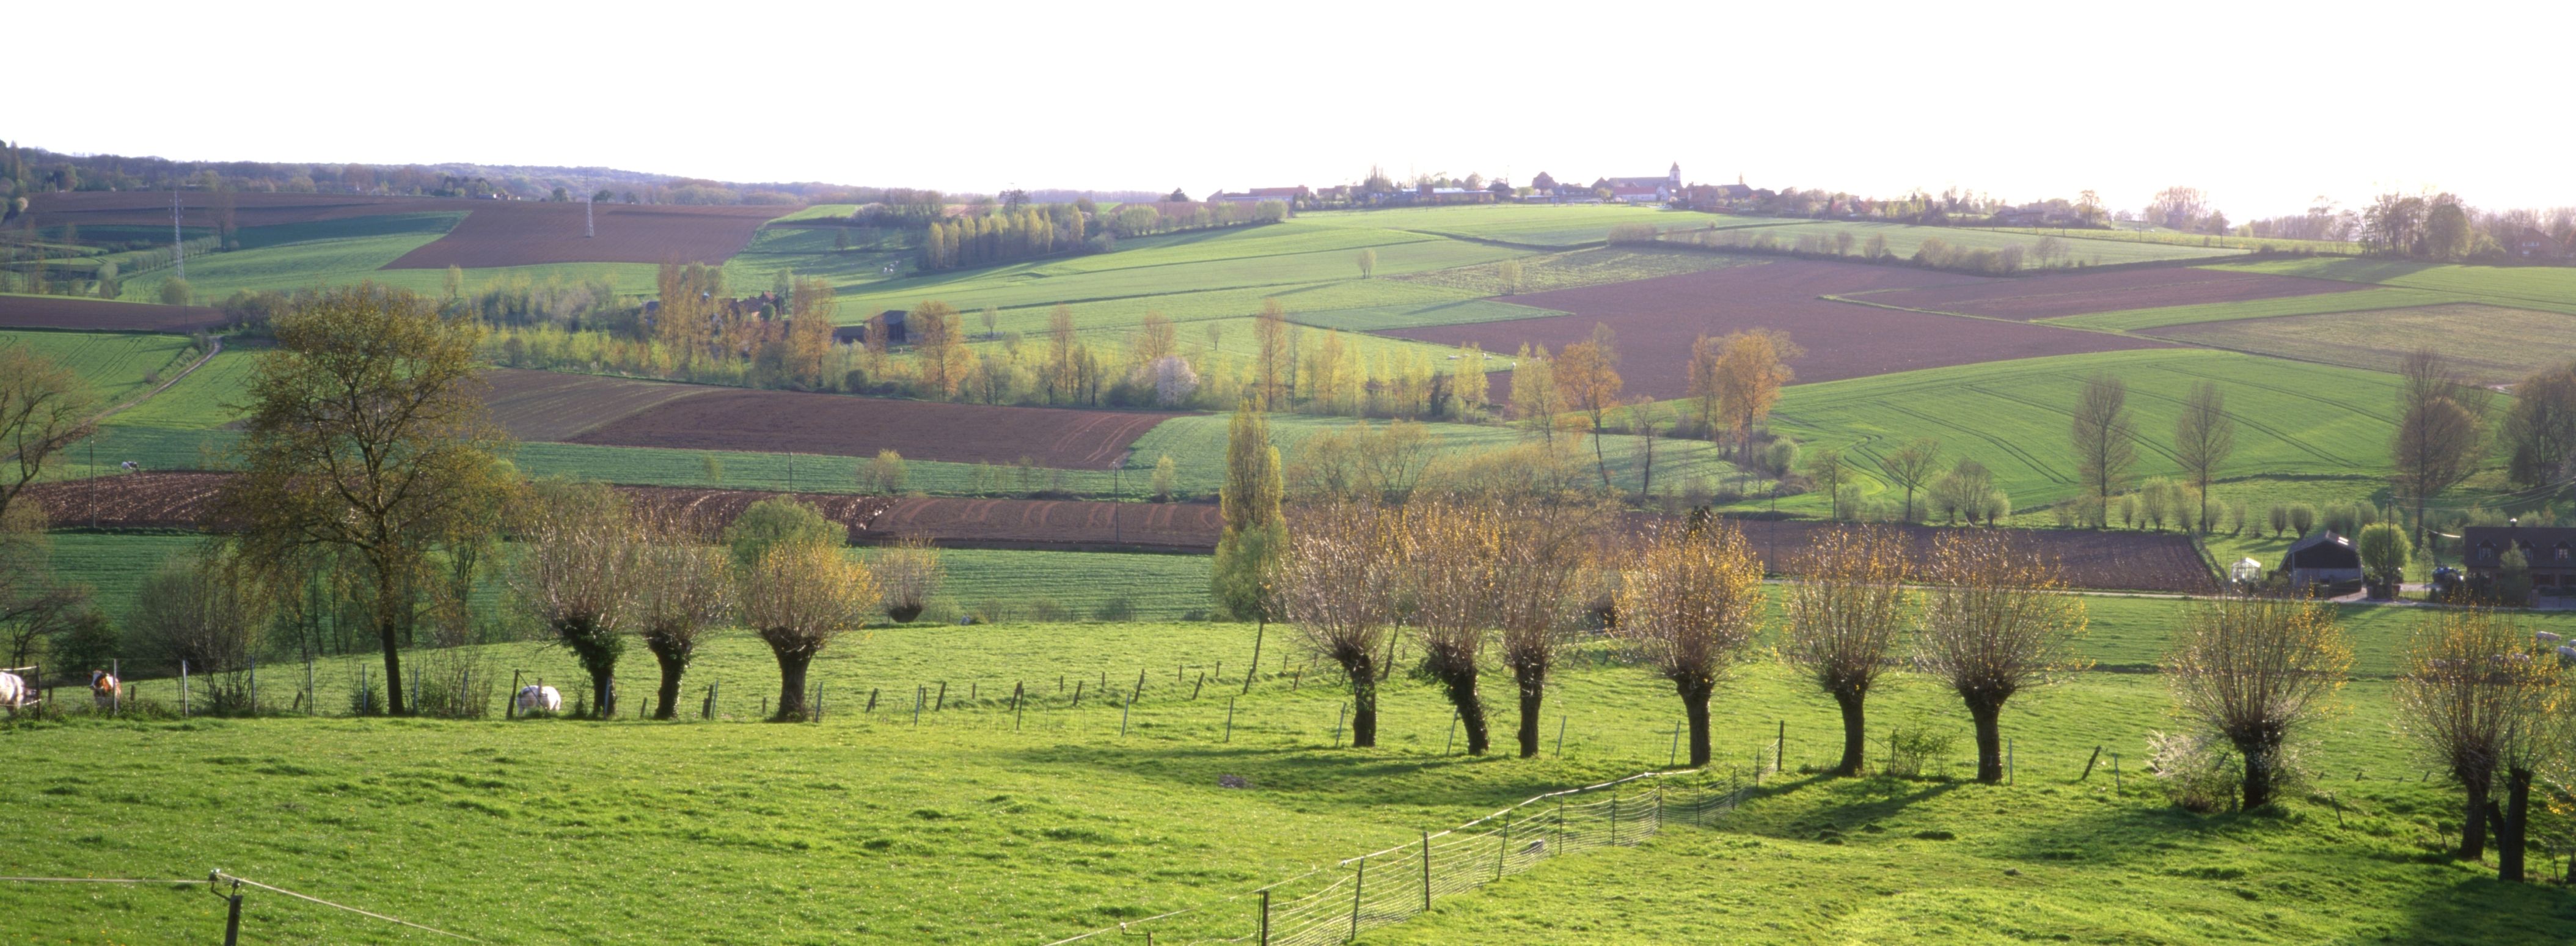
(13, 691)
(105, 689)
(539, 698)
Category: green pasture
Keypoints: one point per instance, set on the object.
(112, 366)
(2363, 300)
(2134, 233)
(1587, 267)
(296, 264)
(2542, 287)
(1197, 444)
(1418, 315)
(2292, 419)
(978, 824)
(200, 400)
(1548, 225)
(2490, 344)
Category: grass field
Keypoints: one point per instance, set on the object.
(2134, 233)
(2540, 287)
(2012, 416)
(2363, 300)
(1418, 315)
(1590, 267)
(2491, 345)
(112, 367)
(974, 826)
(1540, 225)
(1198, 443)
(1904, 239)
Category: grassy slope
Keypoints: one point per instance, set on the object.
(111, 366)
(2542, 287)
(2012, 416)
(2492, 345)
(1532, 224)
(1198, 443)
(965, 831)
(1904, 239)
(2359, 301)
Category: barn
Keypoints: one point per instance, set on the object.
(892, 319)
(2321, 557)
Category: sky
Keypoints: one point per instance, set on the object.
(2263, 105)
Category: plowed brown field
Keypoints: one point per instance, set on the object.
(1038, 523)
(100, 315)
(786, 422)
(523, 233)
(1657, 319)
(2054, 295)
(555, 405)
(2123, 560)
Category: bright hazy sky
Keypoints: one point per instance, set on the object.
(2261, 104)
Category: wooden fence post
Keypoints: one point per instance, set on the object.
(943, 698)
(1426, 872)
(183, 689)
(1194, 688)
(1359, 879)
(1016, 689)
(2088, 764)
(1229, 722)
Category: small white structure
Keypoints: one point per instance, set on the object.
(539, 698)
(2246, 571)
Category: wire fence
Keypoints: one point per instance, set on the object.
(1336, 903)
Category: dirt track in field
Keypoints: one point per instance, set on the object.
(1656, 320)
(786, 422)
(100, 315)
(2055, 295)
(524, 233)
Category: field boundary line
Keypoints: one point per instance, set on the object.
(215, 347)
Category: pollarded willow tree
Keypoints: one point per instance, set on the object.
(2478, 701)
(1995, 622)
(799, 597)
(1846, 612)
(909, 574)
(577, 574)
(1452, 550)
(1542, 560)
(684, 589)
(2255, 671)
(1339, 583)
(1689, 604)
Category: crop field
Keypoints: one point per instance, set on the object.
(197, 209)
(102, 315)
(1197, 443)
(1324, 298)
(2359, 300)
(1167, 269)
(112, 367)
(2292, 418)
(858, 427)
(523, 233)
(205, 397)
(1419, 315)
(1590, 267)
(977, 823)
(297, 265)
(553, 405)
(1538, 225)
(2056, 294)
(2491, 345)
(2125, 560)
(1656, 320)
(1239, 337)
(2552, 288)
(1046, 523)
(1904, 239)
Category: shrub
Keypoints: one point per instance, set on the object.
(2303, 517)
(909, 573)
(2279, 518)
(2198, 772)
(1116, 610)
(1913, 746)
(1049, 611)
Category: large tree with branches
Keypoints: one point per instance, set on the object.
(2254, 671)
(1996, 621)
(1690, 603)
(1846, 611)
(1339, 584)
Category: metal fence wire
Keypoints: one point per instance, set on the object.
(1336, 903)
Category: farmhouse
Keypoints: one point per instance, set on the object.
(2322, 557)
(1641, 190)
(1458, 195)
(2533, 244)
(2550, 550)
(891, 319)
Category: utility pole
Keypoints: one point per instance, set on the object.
(178, 247)
(588, 229)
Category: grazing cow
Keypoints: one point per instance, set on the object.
(2567, 656)
(105, 689)
(539, 698)
(2545, 637)
(13, 691)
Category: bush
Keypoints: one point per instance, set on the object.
(2198, 772)
(1116, 610)
(1781, 457)
(2303, 517)
(1049, 611)
(1912, 747)
(86, 642)
(910, 574)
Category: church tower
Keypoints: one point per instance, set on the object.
(1676, 176)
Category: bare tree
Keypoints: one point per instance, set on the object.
(1338, 584)
(1845, 612)
(909, 574)
(1911, 466)
(1452, 550)
(43, 408)
(2440, 430)
(799, 597)
(2203, 437)
(195, 609)
(683, 590)
(577, 574)
(2105, 442)
(1539, 564)
(1689, 604)
(2254, 671)
(1995, 622)
(2483, 701)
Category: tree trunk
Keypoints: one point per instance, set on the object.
(2258, 775)
(1855, 733)
(791, 685)
(1695, 705)
(387, 630)
(1597, 456)
(1363, 674)
(1533, 689)
(666, 701)
(603, 691)
(2517, 817)
(2473, 827)
(1988, 714)
(1471, 711)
